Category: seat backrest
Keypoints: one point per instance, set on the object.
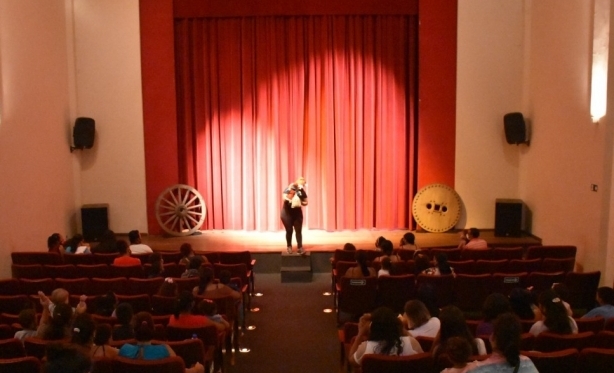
(127, 271)
(548, 342)
(172, 364)
(563, 361)
(79, 259)
(102, 286)
(394, 291)
(543, 281)
(418, 363)
(524, 265)
(35, 347)
(558, 265)
(473, 254)
(508, 253)
(61, 270)
(186, 283)
(357, 296)
(13, 304)
(551, 251)
(470, 291)
(148, 286)
(443, 287)
(78, 286)
(192, 350)
(173, 269)
(35, 257)
(33, 286)
(93, 270)
(464, 267)
(596, 360)
(490, 266)
(27, 364)
(171, 256)
(9, 286)
(504, 282)
(452, 254)
(100, 258)
(604, 339)
(582, 289)
(31, 271)
(11, 348)
(236, 257)
(139, 302)
(161, 305)
(590, 324)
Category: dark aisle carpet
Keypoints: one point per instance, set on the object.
(292, 333)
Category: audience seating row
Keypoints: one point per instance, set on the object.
(355, 296)
(454, 253)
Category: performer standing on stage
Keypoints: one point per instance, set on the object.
(294, 196)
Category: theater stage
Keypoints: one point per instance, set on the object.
(319, 240)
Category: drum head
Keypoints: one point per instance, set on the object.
(436, 208)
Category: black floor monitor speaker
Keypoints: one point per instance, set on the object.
(509, 217)
(84, 132)
(515, 128)
(95, 221)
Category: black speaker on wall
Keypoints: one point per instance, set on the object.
(95, 221)
(509, 217)
(515, 128)
(83, 133)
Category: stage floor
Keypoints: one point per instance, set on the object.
(319, 240)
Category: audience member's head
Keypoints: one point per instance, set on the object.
(123, 247)
(168, 288)
(561, 290)
(83, 327)
(441, 261)
(554, 312)
(143, 327)
(387, 264)
(59, 295)
(134, 236)
(225, 277)
(521, 301)
(124, 313)
(349, 247)
(105, 305)
(59, 323)
(195, 262)
(474, 233)
(27, 319)
(422, 262)
(426, 294)
(408, 239)
(206, 277)
(494, 305)
(157, 265)
(54, 241)
(605, 295)
(387, 247)
(458, 350)
(102, 335)
(207, 307)
(385, 329)
(506, 337)
(378, 242)
(184, 303)
(416, 313)
(186, 250)
(453, 324)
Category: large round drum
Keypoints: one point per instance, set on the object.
(436, 208)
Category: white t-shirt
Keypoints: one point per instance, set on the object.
(372, 347)
(428, 329)
(539, 327)
(140, 248)
(383, 272)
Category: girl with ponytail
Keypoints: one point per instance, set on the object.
(505, 341)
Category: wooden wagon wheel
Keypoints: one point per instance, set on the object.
(180, 210)
(436, 208)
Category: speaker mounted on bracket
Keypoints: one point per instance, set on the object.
(83, 133)
(515, 129)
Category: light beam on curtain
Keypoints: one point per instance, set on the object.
(263, 100)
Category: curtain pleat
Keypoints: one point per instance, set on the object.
(263, 100)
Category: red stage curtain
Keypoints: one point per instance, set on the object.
(263, 100)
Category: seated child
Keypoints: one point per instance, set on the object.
(27, 320)
(208, 308)
(458, 351)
